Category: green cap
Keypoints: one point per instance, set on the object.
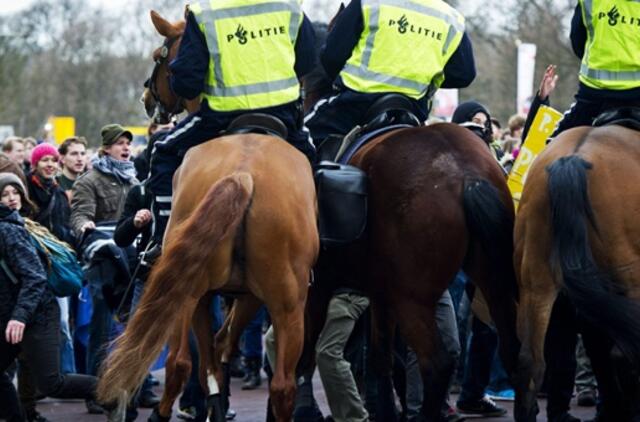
(111, 133)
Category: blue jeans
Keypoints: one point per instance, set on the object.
(100, 329)
(252, 336)
(138, 289)
(67, 357)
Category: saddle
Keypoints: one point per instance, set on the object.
(628, 117)
(392, 111)
(342, 188)
(260, 123)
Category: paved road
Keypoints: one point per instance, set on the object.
(250, 406)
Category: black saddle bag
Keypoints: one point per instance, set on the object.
(342, 203)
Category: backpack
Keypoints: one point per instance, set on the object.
(64, 272)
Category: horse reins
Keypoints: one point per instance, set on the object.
(150, 83)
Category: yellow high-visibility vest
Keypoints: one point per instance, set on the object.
(612, 55)
(251, 52)
(404, 47)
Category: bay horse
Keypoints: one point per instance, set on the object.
(243, 220)
(438, 203)
(578, 230)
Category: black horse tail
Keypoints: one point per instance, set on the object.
(595, 294)
(490, 223)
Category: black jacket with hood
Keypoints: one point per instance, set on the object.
(25, 296)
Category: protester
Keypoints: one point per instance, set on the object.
(135, 221)
(73, 160)
(29, 144)
(29, 315)
(54, 211)
(98, 196)
(13, 147)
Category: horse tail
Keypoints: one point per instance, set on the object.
(174, 279)
(490, 221)
(594, 293)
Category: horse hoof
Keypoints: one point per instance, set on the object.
(156, 417)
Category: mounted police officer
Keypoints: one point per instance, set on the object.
(379, 47)
(238, 56)
(604, 34)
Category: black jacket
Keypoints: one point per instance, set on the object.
(29, 300)
(138, 198)
(54, 216)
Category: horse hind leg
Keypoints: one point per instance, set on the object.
(288, 325)
(214, 371)
(435, 342)
(177, 367)
(534, 313)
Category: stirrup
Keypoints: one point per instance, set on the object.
(151, 254)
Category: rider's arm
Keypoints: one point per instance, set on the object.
(189, 68)
(460, 70)
(578, 33)
(342, 39)
(305, 48)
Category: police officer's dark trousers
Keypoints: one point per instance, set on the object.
(196, 129)
(338, 113)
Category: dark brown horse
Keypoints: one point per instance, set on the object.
(438, 203)
(243, 220)
(578, 230)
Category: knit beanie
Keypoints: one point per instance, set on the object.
(41, 151)
(111, 133)
(11, 179)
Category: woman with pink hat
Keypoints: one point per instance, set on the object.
(54, 211)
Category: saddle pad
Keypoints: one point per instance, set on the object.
(363, 140)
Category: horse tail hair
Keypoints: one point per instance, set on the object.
(173, 281)
(491, 221)
(595, 294)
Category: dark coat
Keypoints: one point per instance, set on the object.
(29, 300)
(126, 232)
(56, 215)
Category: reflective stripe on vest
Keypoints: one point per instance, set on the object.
(223, 96)
(361, 75)
(611, 59)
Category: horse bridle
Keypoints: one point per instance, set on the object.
(162, 115)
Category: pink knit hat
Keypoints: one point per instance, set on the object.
(40, 151)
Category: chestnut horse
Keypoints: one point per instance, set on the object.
(578, 230)
(243, 220)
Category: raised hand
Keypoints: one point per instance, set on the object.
(548, 83)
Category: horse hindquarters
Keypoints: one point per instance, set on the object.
(217, 216)
(590, 288)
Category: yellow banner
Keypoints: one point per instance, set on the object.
(542, 127)
(61, 128)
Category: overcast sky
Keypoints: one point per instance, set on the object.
(9, 6)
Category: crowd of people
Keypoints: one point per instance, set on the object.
(113, 208)
(76, 195)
